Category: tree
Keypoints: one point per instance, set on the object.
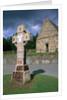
(8, 45)
(5, 45)
(32, 44)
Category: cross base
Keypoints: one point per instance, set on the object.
(21, 74)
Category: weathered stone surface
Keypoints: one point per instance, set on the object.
(5, 61)
(55, 61)
(21, 74)
(28, 60)
(22, 68)
(47, 40)
(45, 61)
(17, 77)
(39, 59)
(36, 62)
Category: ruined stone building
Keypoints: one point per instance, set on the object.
(47, 40)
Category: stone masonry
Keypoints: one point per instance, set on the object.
(47, 40)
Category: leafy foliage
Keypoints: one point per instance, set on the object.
(8, 45)
(31, 44)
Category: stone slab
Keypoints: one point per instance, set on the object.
(21, 74)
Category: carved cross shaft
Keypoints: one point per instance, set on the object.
(20, 40)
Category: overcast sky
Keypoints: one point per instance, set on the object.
(32, 18)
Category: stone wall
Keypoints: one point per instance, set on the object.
(45, 59)
(52, 44)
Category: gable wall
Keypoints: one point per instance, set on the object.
(47, 30)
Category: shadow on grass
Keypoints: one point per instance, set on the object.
(39, 71)
(37, 84)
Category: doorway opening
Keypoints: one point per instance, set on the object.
(47, 47)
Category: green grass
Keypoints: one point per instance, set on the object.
(33, 53)
(41, 53)
(38, 84)
(9, 53)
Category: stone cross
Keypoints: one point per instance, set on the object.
(21, 72)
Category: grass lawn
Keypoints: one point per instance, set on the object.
(41, 53)
(33, 53)
(38, 84)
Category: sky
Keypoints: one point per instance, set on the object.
(32, 18)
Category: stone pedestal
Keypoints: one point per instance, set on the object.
(21, 74)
